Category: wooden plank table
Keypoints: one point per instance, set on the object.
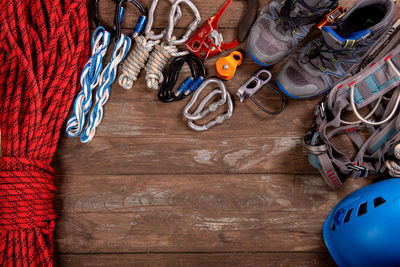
(149, 191)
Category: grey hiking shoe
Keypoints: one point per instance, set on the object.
(323, 62)
(279, 28)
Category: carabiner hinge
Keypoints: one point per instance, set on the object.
(332, 17)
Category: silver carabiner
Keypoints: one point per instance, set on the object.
(175, 17)
(192, 27)
(253, 85)
(203, 111)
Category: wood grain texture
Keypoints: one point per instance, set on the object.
(149, 191)
(195, 259)
(192, 213)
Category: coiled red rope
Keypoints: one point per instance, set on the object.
(43, 48)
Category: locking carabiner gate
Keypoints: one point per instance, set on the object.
(189, 85)
(202, 111)
(208, 42)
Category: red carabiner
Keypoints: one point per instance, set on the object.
(207, 41)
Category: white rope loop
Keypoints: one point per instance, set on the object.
(138, 57)
(107, 78)
(136, 61)
(390, 116)
(89, 80)
(157, 61)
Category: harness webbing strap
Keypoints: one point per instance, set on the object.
(370, 86)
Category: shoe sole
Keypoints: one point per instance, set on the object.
(297, 97)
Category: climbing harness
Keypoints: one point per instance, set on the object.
(225, 67)
(202, 111)
(144, 45)
(90, 76)
(107, 77)
(255, 83)
(163, 52)
(190, 84)
(208, 42)
(376, 86)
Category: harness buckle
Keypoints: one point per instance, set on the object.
(361, 169)
(322, 110)
(330, 18)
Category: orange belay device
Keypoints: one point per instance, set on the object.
(330, 18)
(226, 66)
(208, 42)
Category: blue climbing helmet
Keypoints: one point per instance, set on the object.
(364, 228)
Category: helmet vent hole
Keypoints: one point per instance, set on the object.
(362, 209)
(347, 218)
(378, 201)
(333, 227)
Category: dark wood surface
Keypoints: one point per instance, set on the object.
(148, 191)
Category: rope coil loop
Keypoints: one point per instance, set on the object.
(144, 45)
(45, 46)
(165, 51)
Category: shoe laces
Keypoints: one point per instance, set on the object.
(284, 19)
(322, 51)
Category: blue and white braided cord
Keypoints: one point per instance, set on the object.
(107, 78)
(89, 80)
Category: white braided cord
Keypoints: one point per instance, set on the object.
(107, 78)
(89, 80)
(157, 61)
(136, 60)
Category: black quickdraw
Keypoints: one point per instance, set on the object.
(190, 84)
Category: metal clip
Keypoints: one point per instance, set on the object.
(202, 111)
(360, 169)
(175, 17)
(139, 24)
(253, 85)
(330, 18)
(191, 28)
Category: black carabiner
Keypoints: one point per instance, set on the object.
(97, 21)
(118, 18)
(189, 85)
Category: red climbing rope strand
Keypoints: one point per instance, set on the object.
(43, 48)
